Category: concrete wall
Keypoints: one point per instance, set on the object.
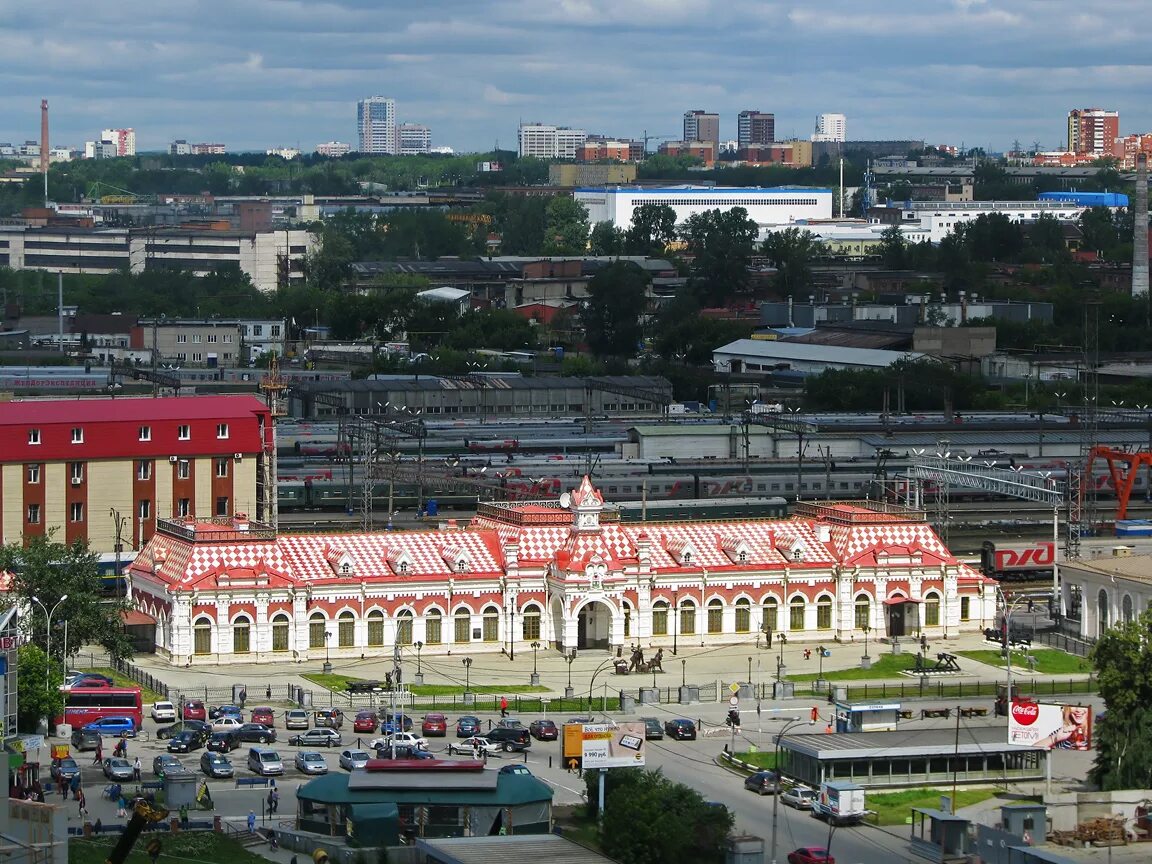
(955, 341)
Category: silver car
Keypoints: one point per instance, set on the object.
(799, 797)
(311, 763)
(351, 760)
(118, 769)
(295, 718)
(216, 764)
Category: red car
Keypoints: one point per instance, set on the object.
(810, 855)
(543, 730)
(264, 716)
(194, 710)
(434, 725)
(366, 721)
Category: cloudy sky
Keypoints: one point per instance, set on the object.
(261, 73)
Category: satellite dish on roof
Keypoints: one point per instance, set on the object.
(565, 500)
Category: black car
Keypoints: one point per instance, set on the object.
(223, 742)
(680, 730)
(763, 783)
(256, 732)
(653, 731)
(184, 726)
(186, 741)
(509, 738)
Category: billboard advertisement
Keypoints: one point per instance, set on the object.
(1049, 726)
(604, 745)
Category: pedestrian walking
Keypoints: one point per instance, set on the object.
(807, 653)
(815, 713)
(63, 784)
(503, 706)
(136, 769)
(99, 760)
(273, 800)
(82, 803)
(184, 816)
(251, 821)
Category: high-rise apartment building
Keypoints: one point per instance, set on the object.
(830, 127)
(414, 138)
(376, 123)
(550, 142)
(124, 140)
(701, 126)
(1093, 130)
(755, 127)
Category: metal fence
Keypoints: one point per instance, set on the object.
(141, 677)
(1065, 642)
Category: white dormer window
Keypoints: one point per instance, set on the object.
(742, 557)
(797, 554)
(345, 569)
(686, 556)
(403, 568)
(461, 566)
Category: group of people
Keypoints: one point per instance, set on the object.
(32, 792)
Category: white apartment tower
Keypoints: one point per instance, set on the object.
(376, 122)
(414, 138)
(830, 127)
(550, 142)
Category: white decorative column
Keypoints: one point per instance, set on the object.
(300, 624)
(261, 629)
(223, 635)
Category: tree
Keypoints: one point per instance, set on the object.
(720, 243)
(653, 228)
(791, 252)
(893, 248)
(36, 700)
(606, 239)
(1123, 662)
(566, 228)
(617, 298)
(49, 571)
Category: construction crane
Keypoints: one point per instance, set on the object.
(648, 138)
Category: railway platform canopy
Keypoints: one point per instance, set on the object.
(910, 758)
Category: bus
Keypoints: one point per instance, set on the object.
(84, 705)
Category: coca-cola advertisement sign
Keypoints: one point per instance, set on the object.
(1048, 726)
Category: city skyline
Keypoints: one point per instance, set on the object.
(975, 72)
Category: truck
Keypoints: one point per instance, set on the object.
(840, 802)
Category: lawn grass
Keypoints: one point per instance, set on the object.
(1049, 661)
(759, 758)
(187, 845)
(122, 680)
(895, 808)
(481, 689)
(884, 666)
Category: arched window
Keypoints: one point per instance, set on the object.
(660, 618)
(743, 615)
(796, 613)
(241, 635)
(346, 630)
(824, 613)
(433, 627)
(530, 625)
(462, 625)
(627, 620)
(202, 636)
(932, 609)
(281, 627)
(491, 624)
(376, 628)
(687, 618)
(1126, 607)
(715, 616)
(770, 622)
(404, 627)
(863, 612)
(1101, 612)
(317, 627)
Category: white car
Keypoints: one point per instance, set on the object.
(351, 760)
(468, 746)
(164, 712)
(226, 724)
(402, 739)
(799, 797)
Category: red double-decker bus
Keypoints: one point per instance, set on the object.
(84, 705)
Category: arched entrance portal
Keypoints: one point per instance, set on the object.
(594, 626)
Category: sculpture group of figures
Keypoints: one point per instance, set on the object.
(637, 663)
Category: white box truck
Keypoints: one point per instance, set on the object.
(840, 802)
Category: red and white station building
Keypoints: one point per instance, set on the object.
(566, 574)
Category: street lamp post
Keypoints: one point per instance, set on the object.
(419, 668)
(327, 654)
(675, 620)
(467, 661)
(780, 667)
(776, 798)
(571, 658)
(535, 679)
(48, 633)
(866, 661)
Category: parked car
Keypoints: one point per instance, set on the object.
(223, 742)
(467, 726)
(255, 732)
(316, 738)
(653, 731)
(332, 718)
(264, 716)
(216, 765)
(88, 680)
(296, 718)
(308, 762)
(86, 739)
(117, 769)
(226, 723)
(401, 739)
(113, 726)
(219, 711)
(64, 769)
(186, 741)
(469, 746)
(166, 763)
(164, 712)
(365, 721)
(265, 761)
(194, 710)
(763, 782)
(434, 726)
(543, 730)
(350, 760)
(511, 738)
(810, 855)
(397, 723)
(680, 730)
(509, 723)
(404, 752)
(184, 726)
(800, 797)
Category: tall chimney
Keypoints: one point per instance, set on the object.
(1140, 232)
(44, 148)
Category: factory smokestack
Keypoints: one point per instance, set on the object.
(44, 148)
(1140, 232)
